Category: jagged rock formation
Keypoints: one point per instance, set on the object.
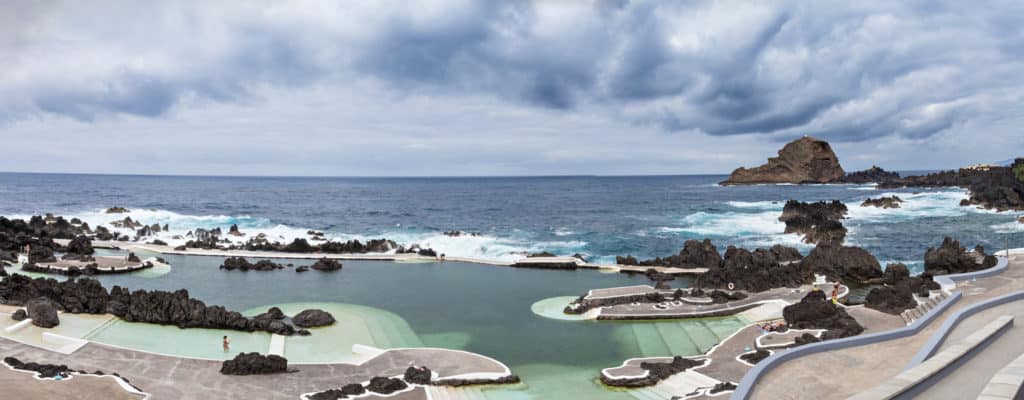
(883, 202)
(839, 262)
(756, 356)
(254, 364)
(805, 160)
(819, 222)
(117, 210)
(43, 312)
(952, 258)
(814, 311)
(870, 175)
(44, 371)
(757, 271)
(695, 254)
(898, 293)
(80, 245)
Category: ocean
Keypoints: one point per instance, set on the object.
(600, 217)
(479, 308)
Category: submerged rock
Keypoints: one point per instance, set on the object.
(254, 364)
(326, 265)
(805, 160)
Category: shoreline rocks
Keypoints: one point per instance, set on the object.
(805, 160)
(326, 265)
(241, 264)
(757, 271)
(994, 187)
(870, 175)
(819, 222)
(85, 295)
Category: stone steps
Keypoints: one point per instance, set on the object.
(924, 308)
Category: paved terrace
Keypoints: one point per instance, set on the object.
(106, 264)
(842, 373)
(693, 307)
(175, 378)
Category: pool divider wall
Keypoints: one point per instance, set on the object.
(746, 385)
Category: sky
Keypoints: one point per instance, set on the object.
(467, 88)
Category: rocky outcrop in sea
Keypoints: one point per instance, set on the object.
(805, 160)
(819, 222)
(893, 201)
(993, 187)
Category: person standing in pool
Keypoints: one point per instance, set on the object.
(835, 293)
(227, 344)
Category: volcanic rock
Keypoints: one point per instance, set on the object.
(695, 254)
(819, 222)
(805, 160)
(843, 263)
(814, 311)
(19, 315)
(870, 175)
(998, 188)
(352, 389)
(883, 202)
(755, 356)
(233, 231)
(326, 265)
(41, 370)
(117, 210)
(418, 375)
(758, 271)
(312, 318)
(656, 372)
(254, 364)
(240, 263)
(80, 245)
(951, 258)
(384, 385)
(43, 312)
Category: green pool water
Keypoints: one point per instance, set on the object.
(484, 309)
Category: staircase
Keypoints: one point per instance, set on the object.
(924, 307)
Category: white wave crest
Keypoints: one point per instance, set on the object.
(944, 203)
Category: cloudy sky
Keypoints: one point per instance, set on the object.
(504, 88)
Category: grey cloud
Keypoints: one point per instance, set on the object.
(834, 69)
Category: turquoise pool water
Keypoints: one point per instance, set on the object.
(484, 309)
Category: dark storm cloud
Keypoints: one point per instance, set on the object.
(844, 71)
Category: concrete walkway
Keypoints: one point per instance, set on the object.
(178, 378)
(818, 375)
(970, 378)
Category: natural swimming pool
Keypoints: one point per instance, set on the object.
(478, 308)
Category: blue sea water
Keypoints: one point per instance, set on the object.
(600, 217)
(480, 308)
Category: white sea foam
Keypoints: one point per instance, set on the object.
(760, 229)
(759, 205)
(481, 247)
(944, 203)
(1009, 227)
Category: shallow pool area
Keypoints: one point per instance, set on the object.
(512, 315)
